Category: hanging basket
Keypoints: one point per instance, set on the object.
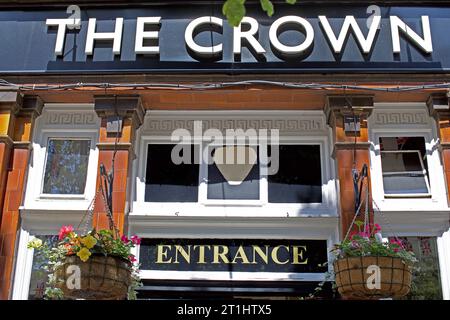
(102, 278)
(352, 273)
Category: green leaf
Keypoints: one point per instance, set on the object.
(267, 6)
(234, 10)
(291, 1)
(359, 223)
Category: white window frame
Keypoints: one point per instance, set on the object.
(408, 216)
(24, 263)
(251, 208)
(65, 122)
(423, 172)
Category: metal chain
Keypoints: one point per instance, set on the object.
(356, 215)
(386, 220)
(88, 216)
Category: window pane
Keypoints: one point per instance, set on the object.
(219, 188)
(39, 275)
(66, 166)
(405, 143)
(401, 162)
(166, 181)
(299, 178)
(404, 184)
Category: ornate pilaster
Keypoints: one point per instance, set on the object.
(120, 117)
(347, 116)
(17, 115)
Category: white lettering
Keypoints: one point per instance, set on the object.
(350, 22)
(189, 36)
(249, 35)
(139, 47)
(424, 43)
(116, 36)
(292, 50)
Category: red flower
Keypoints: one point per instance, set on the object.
(124, 239)
(396, 242)
(132, 258)
(136, 240)
(64, 231)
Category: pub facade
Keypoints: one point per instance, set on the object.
(320, 98)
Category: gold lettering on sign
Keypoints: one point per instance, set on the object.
(186, 254)
(263, 255)
(275, 254)
(201, 252)
(220, 254)
(240, 254)
(297, 252)
(162, 254)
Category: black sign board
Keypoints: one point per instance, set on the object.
(244, 255)
(403, 39)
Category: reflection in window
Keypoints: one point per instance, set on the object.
(166, 181)
(299, 178)
(426, 283)
(39, 275)
(66, 166)
(220, 189)
(403, 163)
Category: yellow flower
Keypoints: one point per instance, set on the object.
(89, 241)
(84, 254)
(35, 243)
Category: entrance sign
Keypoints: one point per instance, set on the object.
(169, 38)
(245, 255)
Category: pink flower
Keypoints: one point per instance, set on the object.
(397, 244)
(136, 240)
(132, 258)
(354, 244)
(64, 231)
(377, 228)
(124, 239)
(364, 234)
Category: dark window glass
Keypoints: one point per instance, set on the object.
(66, 166)
(39, 274)
(299, 177)
(166, 181)
(220, 189)
(403, 163)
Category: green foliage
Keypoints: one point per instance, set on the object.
(234, 10)
(267, 6)
(52, 255)
(369, 242)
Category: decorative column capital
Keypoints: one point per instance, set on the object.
(348, 111)
(124, 106)
(10, 100)
(438, 106)
(31, 106)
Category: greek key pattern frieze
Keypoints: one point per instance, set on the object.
(283, 125)
(401, 118)
(73, 118)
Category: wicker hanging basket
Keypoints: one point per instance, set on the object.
(351, 276)
(102, 278)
